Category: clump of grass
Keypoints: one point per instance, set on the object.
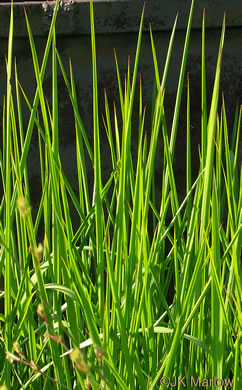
(89, 308)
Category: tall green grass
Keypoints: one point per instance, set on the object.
(91, 308)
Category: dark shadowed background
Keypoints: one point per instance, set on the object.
(117, 23)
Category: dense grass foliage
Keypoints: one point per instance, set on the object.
(92, 308)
